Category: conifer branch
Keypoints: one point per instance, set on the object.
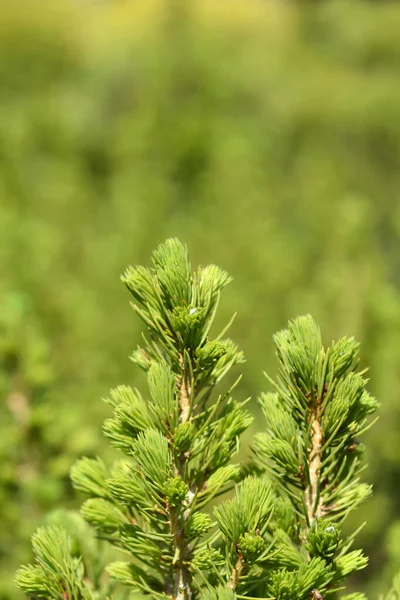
(179, 442)
(319, 408)
(279, 536)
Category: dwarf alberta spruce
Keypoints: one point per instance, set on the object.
(279, 535)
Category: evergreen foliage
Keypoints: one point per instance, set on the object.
(313, 454)
(57, 574)
(260, 121)
(70, 561)
(279, 536)
(178, 443)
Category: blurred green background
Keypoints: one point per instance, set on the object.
(266, 135)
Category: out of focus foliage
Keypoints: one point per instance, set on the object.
(266, 134)
(39, 434)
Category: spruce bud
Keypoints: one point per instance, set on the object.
(323, 539)
(175, 491)
(183, 436)
(251, 545)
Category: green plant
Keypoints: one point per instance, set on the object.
(279, 536)
(114, 137)
(313, 454)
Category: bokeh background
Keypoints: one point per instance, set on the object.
(264, 134)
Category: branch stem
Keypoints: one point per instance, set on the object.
(314, 502)
(236, 573)
(182, 580)
(183, 577)
(185, 391)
